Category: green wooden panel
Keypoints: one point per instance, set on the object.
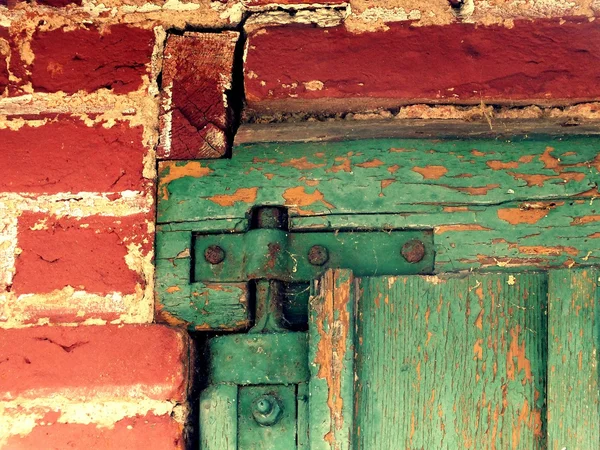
(331, 356)
(277, 436)
(303, 417)
(218, 418)
(512, 236)
(452, 362)
(376, 176)
(573, 360)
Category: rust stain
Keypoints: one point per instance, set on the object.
(550, 162)
(309, 182)
(401, 150)
(478, 349)
(499, 165)
(595, 235)
(302, 164)
(539, 180)
(393, 169)
(333, 324)
(299, 198)
(172, 289)
(373, 163)
(387, 182)
(245, 195)
(479, 190)
(548, 251)
(190, 169)
(477, 153)
(585, 219)
(269, 176)
(431, 172)
(460, 227)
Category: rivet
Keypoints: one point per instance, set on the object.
(214, 254)
(267, 410)
(413, 251)
(318, 255)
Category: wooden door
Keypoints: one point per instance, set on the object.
(476, 360)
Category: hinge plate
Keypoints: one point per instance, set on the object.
(305, 256)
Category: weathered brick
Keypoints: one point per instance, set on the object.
(68, 156)
(87, 59)
(58, 3)
(195, 114)
(4, 53)
(149, 432)
(88, 254)
(305, 68)
(85, 362)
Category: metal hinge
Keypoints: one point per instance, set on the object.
(269, 251)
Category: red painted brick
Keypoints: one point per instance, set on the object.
(87, 254)
(58, 3)
(84, 362)
(67, 156)
(140, 433)
(304, 68)
(4, 50)
(86, 59)
(195, 118)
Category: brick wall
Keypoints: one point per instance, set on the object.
(92, 93)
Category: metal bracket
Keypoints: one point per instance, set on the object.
(266, 253)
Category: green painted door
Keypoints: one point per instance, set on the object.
(477, 360)
(484, 337)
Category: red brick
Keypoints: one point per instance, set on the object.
(86, 59)
(141, 433)
(149, 361)
(87, 254)
(541, 61)
(68, 156)
(195, 118)
(58, 3)
(4, 48)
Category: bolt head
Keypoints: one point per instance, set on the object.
(267, 410)
(214, 254)
(413, 251)
(318, 255)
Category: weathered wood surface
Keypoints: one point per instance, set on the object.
(377, 176)
(197, 305)
(451, 362)
(218, 418)
(331, 357)
(573, 360)
(509, 236)
(340, 130)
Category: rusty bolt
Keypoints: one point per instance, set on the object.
(413, 251)
(214, 254)
(318, 255)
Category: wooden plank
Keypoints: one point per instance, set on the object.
(340, 130)
(331, 360)
(511, 236)
(573, 360)
(303, 417)
(218, 418)
(451, 362)
(377, 176)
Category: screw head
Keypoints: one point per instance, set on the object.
(318, 255)
(214, 254)
(413, 251)
(267, 410)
